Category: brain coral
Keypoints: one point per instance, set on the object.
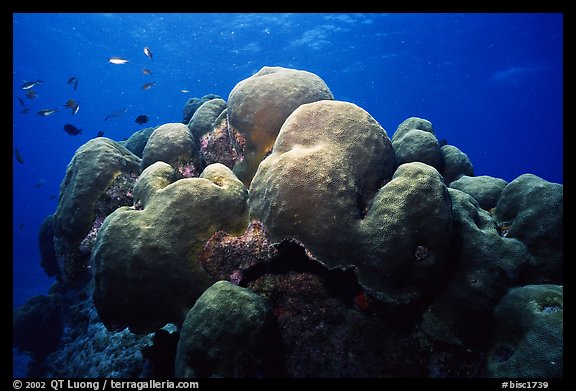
(224, 334)
(528, 324)
(485, 266)
(145, 268)
(322, 185)
(531, 210)
(91, 172)
(414, 141)
(259, 105)
(485, 189)
(174, 144)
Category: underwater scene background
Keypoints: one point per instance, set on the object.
(489, 84)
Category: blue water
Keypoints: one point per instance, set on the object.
(491, 84)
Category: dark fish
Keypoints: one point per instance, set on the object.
(100, 134)
(72, 130)
(116, 113)
(442, 142)
(41, 182)
(73, 81)
(21, 102)
(141, 119)
(25, 110)
(148, 53)
(47, 112)
(146, 71)
(18, 155)
(72, 105)
(21, 226)
(31, 94)
(69, 103)
(117, 60)
(29, 84)
(147, 86)
(52, 197)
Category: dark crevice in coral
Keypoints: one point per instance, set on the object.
(290, 256)
(161, 355)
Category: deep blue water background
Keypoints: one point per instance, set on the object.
(491, 84)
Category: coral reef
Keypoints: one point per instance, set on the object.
(485, 189)
(222, 144)
(414, 141)
(96, 171)
(203, 119)
(225, 334)
(193, 104)
(137, 141)
(285, 234)
(528, 326)
(456, 164)
(173, 143)
(531, 210)
(37, 326)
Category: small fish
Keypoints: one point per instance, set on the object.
(185, 91)
(141, 119)
(72, 105)
(148, 53)
(31, 94)
(116, 113)
(72, 130)
(117, 60)
(147, 86)
(52, 197)
(73, 81)
(47, 112)
(100, 134)
(146, 71)
(21, 102)
(18, 155)
(29, 84)
(41, 182)
(25, 110)
(442, 142)
(21, 226)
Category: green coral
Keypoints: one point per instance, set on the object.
(225, 334)
(528, 342)
(145, 267)
(531, 210)
(485, 265)
(456, 164)
(203, 119)
(485, 189)
(173, 143)
(414, 141)
(92, 171)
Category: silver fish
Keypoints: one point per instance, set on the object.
(29, 84)
(148, 53)
(117, 60)
(75, 108)
(47, 112)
